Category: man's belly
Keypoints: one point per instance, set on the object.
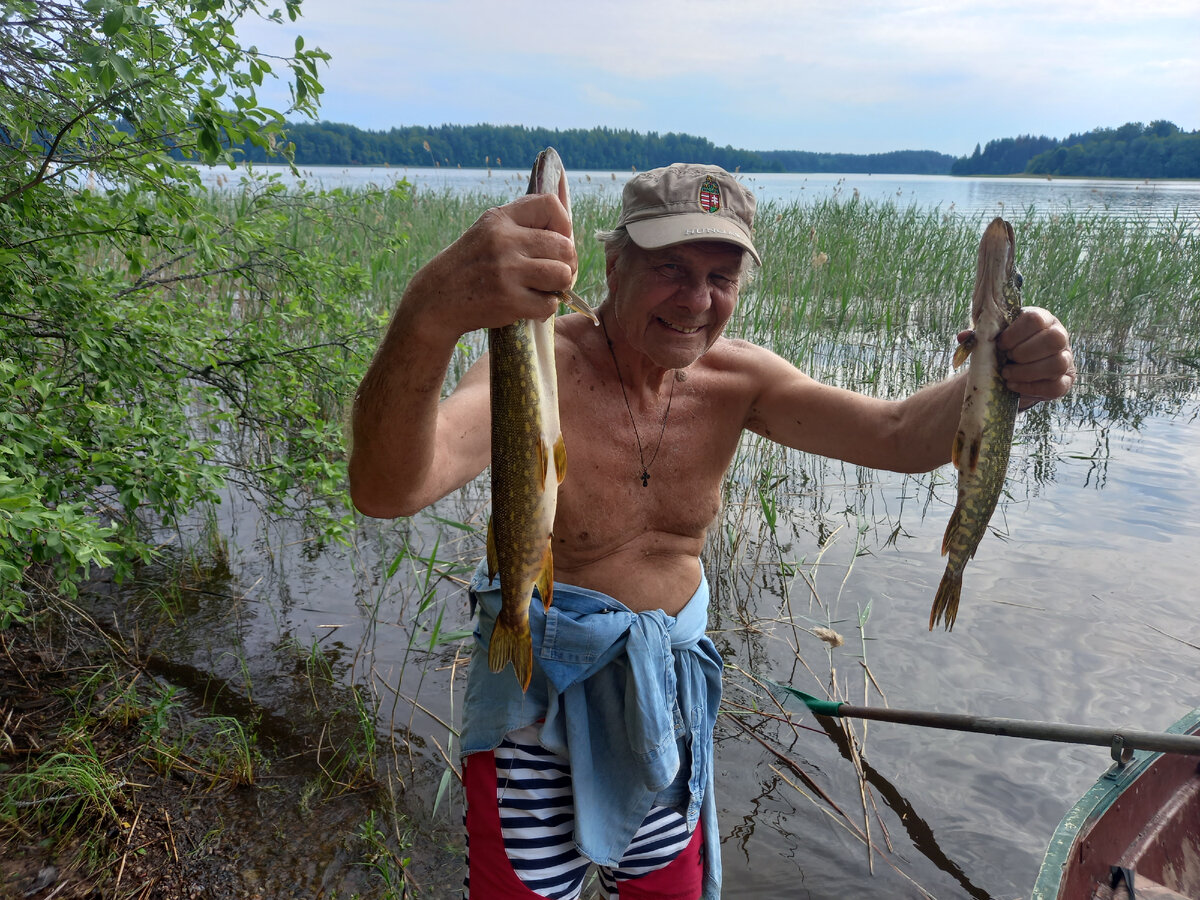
(653, 572)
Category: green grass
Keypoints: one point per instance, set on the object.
(63, 793)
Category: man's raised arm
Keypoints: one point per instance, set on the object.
(910, 435)
(409, 447)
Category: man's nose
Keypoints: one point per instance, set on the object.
(696, 294)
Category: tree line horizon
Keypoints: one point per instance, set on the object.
(1133, 150)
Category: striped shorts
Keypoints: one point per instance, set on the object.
(520, 823)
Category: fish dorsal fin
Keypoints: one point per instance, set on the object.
(560, 459)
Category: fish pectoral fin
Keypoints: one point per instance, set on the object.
(493, 558)
(965, 453)
(577, 303)
(963, 350)
(543, 459)
(973, 454)
(560, 459)
(545, 579)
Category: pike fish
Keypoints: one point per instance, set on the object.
(528, 459)
(989, 412)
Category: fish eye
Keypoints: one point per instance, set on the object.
(1018, 280)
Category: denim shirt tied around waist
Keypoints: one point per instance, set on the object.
(624, 696)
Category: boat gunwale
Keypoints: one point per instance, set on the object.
(1091, 808)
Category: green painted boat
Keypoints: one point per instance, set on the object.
(1140, 822)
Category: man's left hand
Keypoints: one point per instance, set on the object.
(1040, 364)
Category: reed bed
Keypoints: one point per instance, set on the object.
(837, 268)
(864, 294)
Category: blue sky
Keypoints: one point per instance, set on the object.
(828, 76)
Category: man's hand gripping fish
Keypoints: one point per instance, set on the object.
(528, 458)
(985, 428)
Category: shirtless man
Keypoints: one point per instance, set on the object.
(653, 405)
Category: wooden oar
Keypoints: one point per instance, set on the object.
(1118, 740)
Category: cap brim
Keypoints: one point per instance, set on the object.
(686, 228)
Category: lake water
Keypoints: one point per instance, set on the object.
(1080, 607)
(968, 196)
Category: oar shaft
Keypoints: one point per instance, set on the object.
(1022, 728)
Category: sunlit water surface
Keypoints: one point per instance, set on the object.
(974, 197)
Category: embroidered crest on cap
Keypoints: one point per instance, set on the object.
(710, 195)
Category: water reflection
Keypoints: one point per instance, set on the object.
(1065, 609)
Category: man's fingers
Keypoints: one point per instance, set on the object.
(1046, 379)
(543, 211)
(1034, 335)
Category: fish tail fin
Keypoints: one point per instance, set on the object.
(945, 603)
(512, 643)
(545, 579)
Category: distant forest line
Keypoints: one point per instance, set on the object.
(1158, 150)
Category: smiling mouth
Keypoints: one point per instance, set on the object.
(679, 329)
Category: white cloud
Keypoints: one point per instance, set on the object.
(823, 75)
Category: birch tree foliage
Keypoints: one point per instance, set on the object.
(156, 344)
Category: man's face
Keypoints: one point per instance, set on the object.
(673, 303)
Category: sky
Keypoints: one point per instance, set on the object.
(823, 76)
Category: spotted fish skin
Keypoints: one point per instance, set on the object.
(528, 460)
(989, 412)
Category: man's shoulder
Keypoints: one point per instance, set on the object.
(736, 354)
(572, 327)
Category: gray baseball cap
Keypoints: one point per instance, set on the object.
(686, 202)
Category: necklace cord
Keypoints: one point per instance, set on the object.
(645, 476)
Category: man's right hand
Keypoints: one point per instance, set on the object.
(505, 267)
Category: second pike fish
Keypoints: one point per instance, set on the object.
(528, 459)
(989, 413)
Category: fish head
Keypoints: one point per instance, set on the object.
(997, 282)
(549, 177)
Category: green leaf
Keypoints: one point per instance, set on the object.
(123, 69)
(114, 21)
